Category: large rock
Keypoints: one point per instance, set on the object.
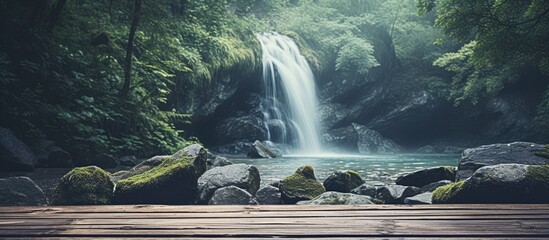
(487, 155)
(503, 183)
(342, 139)
(241, 128)
(371, 141)
(50, 156)
(432, 186)
(239, 175)
(338, 198)
(269, 195)
(232, 195)
(21, 191)
(302, 185)
(174, 181)
(425, 176)
(84, 186)
(14, 154)
(423, 198)
(221, 161)
(259, 150)
(365, 189)
(391, 194)
(198, 154)
(343, 181)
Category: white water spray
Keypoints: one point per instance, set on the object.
(290, 95)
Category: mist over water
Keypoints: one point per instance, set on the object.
(290, 101)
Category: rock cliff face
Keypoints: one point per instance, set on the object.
(229, 115)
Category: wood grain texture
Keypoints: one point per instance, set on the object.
(288, 221)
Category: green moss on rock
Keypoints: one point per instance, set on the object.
(544, 153)
(451, 193)
(84, 186)
(538, 176)
(356, 179)
(302, 185)
(174, 181)
(504, 183)
(343, 181)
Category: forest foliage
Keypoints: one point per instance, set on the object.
(63, 63)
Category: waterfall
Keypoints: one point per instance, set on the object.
(290, 101)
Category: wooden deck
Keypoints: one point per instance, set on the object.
(313, 222)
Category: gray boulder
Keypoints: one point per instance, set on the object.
(391, 194)
(269, 195)
(503, 183)
(338, 198)
(343, 139)
(488, 155)
(432, 186)
(371, 141)
(343, 181)
(232, 195)
(50, 156)
(221, 161)
(259, 150)
(239, 175)
(21, 191)
(365, 189)
(423, 198)
(425, 176)
(14, 154)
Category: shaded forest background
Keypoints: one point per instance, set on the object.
(122, 77)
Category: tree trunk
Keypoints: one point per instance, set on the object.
(129, 50)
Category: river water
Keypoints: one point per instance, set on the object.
(375, 169)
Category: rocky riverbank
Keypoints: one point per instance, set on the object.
(500, 173)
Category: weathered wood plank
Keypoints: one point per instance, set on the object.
(434, 221)
(278, 208)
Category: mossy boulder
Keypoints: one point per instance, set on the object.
(174, 181)
(198, 155)
(488, 155)
(503, 183)
(426, 176)
(343, 181)
(21, 191)
(89, 185)
(302, 185)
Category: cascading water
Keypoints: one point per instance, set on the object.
(290, 101)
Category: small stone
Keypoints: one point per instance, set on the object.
(423, 198)
(392, 194)
(338, 198)
(365, 189)
(269, 195)
(232, 195)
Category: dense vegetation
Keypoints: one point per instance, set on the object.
(110, 77)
